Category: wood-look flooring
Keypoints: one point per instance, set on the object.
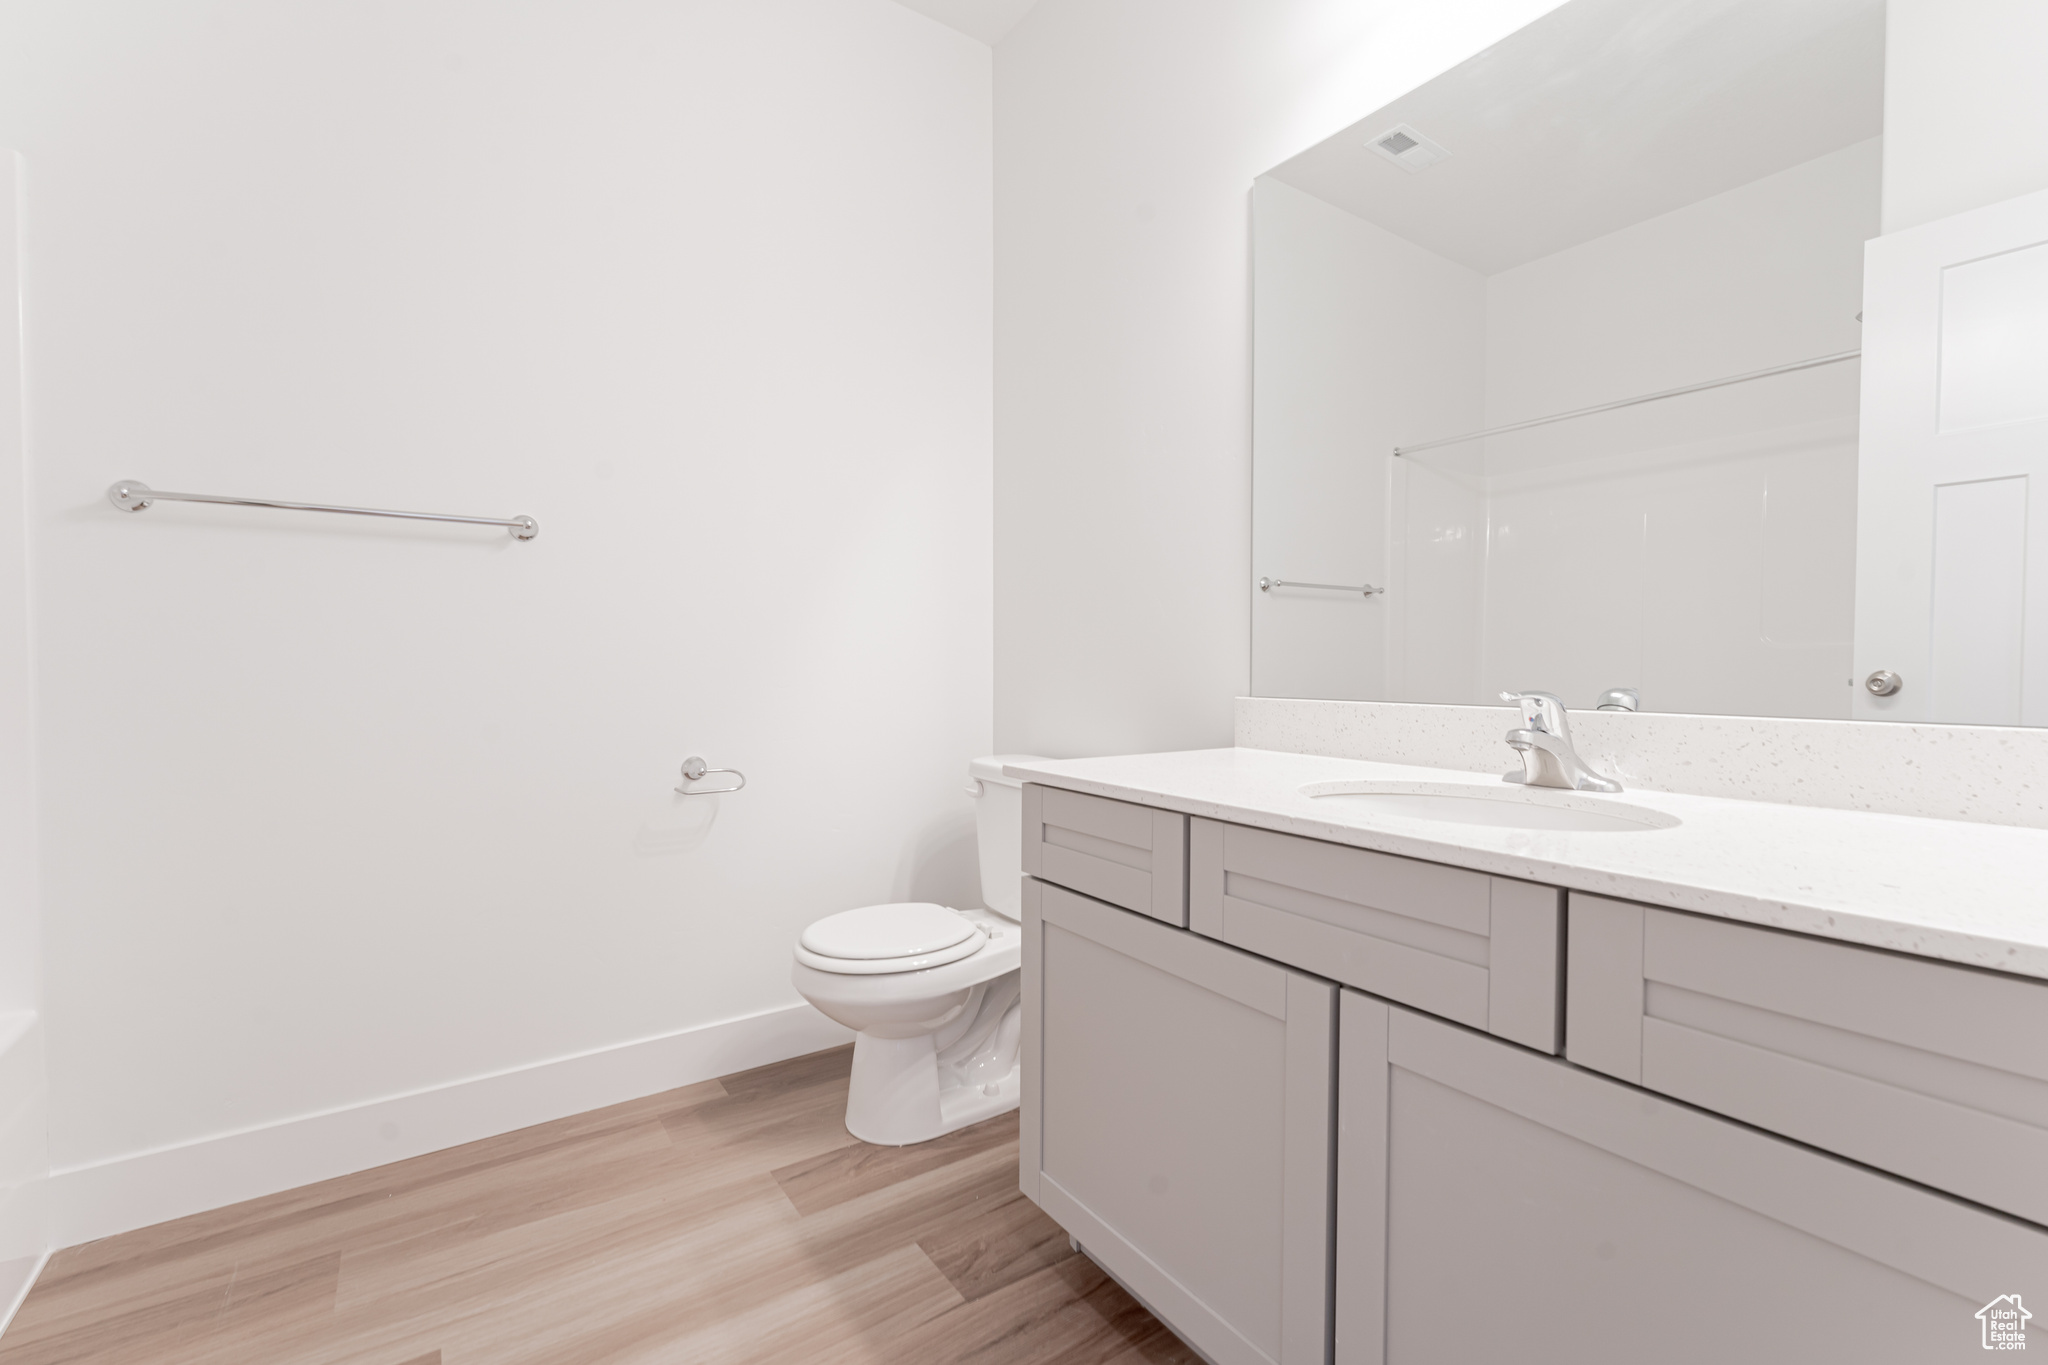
(732, 1221)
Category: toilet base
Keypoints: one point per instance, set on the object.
(906, 1090)
(895, 1099)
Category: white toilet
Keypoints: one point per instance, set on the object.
(931, 992)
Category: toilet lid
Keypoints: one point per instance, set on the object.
(906, 929)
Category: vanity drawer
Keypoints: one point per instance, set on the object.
(1933, 1071)
(1478, 950)
(1132, 856)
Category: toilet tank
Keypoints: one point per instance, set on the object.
(999, 831)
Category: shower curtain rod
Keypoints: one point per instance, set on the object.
(1815, 363)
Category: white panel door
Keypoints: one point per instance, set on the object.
(1952, 551)
(1977, 623)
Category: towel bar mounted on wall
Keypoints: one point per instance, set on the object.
(131, 495)
(1363, 589)
(696, 770)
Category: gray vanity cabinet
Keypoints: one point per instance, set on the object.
(1495, 1205)
(1128, 855)
(1177, 1120)
(1756, 1146)
(1934, 1071)
(1482, 950)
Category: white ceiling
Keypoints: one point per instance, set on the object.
(987, 20)
(1606, 112)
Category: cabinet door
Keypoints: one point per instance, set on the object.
(1177, 1121)
(1497, 1205)
(1930, 1070)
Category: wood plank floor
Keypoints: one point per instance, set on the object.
(733, 1221)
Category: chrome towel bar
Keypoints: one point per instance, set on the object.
(1366, 589)
(131, 495)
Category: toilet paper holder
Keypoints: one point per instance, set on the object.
(696, 770)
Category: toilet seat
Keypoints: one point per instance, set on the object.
(877, 940)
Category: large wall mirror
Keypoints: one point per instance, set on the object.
(1557, 370)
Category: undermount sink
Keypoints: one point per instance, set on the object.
(1505, 807)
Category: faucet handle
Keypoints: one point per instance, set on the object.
(1540, 711)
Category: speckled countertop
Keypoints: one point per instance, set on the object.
(1950, 889)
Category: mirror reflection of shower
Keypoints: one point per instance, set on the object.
(1600, 287)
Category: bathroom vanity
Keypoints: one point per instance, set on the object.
(1559, 382)
(1318, 1077)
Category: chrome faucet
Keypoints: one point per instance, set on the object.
(1545, 743)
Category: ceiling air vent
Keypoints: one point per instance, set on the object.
(1408, 149)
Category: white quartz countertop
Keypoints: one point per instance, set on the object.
(1950, 889)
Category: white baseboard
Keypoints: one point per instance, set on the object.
(17, 1277)
(89, 1202)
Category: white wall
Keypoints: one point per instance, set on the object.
(1128, 133)
(1965, 106)
(20, 946)
(24, 1156)
(1768, 272)
(340, 810)
(1363, 341)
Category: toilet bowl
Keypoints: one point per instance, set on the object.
(931, 992)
